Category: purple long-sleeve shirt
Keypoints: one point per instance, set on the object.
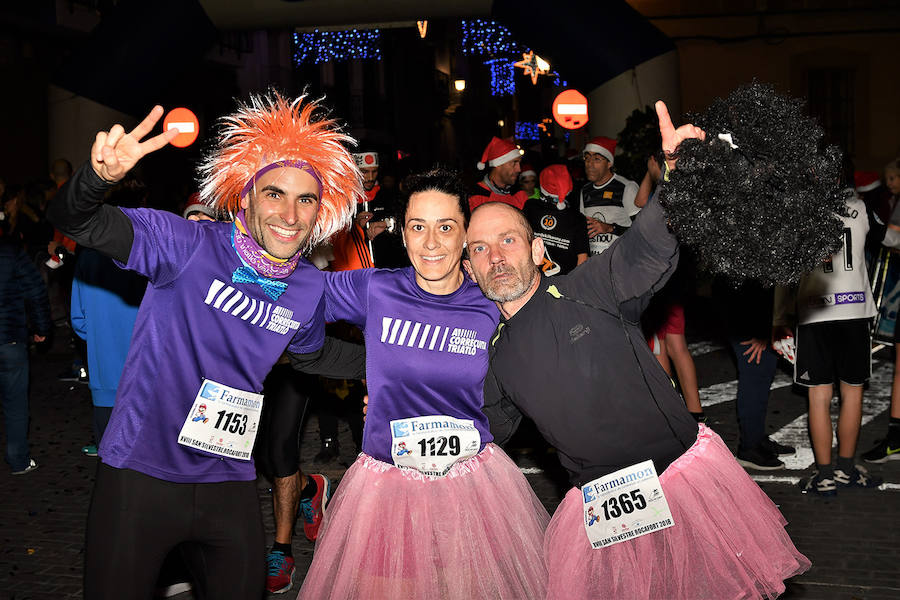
(425, 354)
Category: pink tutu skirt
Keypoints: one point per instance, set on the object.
(728, 541)
(394, 533)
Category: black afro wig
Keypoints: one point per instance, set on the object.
(768, 209)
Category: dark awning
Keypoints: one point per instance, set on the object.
(587, 42)
(136, 51)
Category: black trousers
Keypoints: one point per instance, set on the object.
(135, 520)
(277, 450)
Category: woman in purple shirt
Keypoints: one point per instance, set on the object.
(431, 508)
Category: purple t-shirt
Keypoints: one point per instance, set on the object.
(195, 324)
(425, 354)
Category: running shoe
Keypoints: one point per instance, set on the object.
(31, 466)
(330, 450)
(820, 487)
(313, 509)
(89, 450)
(884, 451)
(858, 477)
(759, 458)
(777, 448)
(279, 572)
(77, 374)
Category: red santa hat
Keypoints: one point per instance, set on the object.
(499, 152)
(556, 183)
(604, 146)
(366, 160)
(527, 171)
(866, 181)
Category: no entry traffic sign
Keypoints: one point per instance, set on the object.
(186, 123)
(570, 109)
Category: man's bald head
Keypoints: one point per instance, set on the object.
(498, 209)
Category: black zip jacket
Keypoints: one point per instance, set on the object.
(574, 360)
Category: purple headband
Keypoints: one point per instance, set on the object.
(297, 164)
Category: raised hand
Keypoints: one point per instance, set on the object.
(115, 152)
(671, 137)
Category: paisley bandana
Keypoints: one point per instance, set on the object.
(252, 254)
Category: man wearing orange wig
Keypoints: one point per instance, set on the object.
(225, 300)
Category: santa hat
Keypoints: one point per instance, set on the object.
(366, 160)
(556, 183)
(272, 132)
(499, 152)
(866, 181)
(604, 146)
(527, 171)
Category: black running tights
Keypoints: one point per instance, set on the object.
(135, 520)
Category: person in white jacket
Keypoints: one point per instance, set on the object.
(830, 311)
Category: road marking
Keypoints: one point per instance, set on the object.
(789, 479)
(531, 470)
(701, 348)
(727, 390)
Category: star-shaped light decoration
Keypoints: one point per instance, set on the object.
(533, 65)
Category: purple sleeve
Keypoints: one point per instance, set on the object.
(347, 296)
(163, 244)
(311, 336)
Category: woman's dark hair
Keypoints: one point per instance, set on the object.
(436, 179)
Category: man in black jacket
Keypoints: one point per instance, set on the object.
(659, 507)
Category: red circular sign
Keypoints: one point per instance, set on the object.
(570, 109)
(184, 121)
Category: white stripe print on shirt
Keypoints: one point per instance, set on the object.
(440, 338)
(256, 312)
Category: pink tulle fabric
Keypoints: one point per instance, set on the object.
(728, 541)
(393, 533)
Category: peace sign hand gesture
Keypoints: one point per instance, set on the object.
(115, 152)
(672, 137)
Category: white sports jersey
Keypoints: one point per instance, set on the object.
(613, 203)
(837, 290)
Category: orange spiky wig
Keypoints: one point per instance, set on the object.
(269, 132)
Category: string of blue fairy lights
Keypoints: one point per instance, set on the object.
(478, 37)
(316, 47)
